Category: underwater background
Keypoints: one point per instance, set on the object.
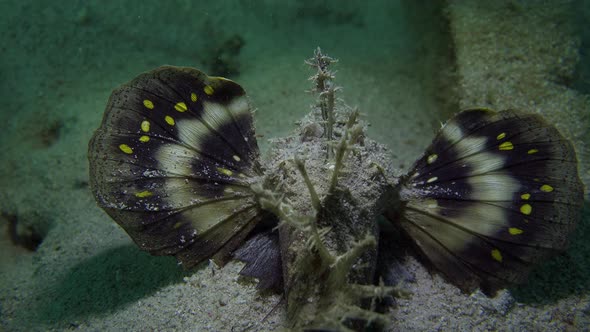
(407, 65)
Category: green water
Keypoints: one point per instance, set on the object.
(65, 265)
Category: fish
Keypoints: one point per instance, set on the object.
(175, 162)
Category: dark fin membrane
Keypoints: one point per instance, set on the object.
(391, 270)
(494, 194)
(390, 260)
(262, 256)
(172, 163)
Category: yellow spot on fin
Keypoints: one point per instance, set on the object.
(148, 104)
(143, 194)
(144, 139)
(515, 231)
(502, 135)
(432, 158)
(532, 151)
(526, 209)
(169, 120)
(225, 171)
(506, 146)
(525, 196)
(546, 188)
(497, 255)
(193, 97)
(181, 107)
(145, 126)
(126, 148)
(208, 90)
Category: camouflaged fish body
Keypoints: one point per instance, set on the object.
(329, 249)
(175, 162)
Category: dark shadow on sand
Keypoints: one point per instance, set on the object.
(106, 282)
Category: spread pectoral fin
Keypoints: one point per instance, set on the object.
(173, 161)
(495, 193)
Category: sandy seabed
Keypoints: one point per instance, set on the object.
(406, 67)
